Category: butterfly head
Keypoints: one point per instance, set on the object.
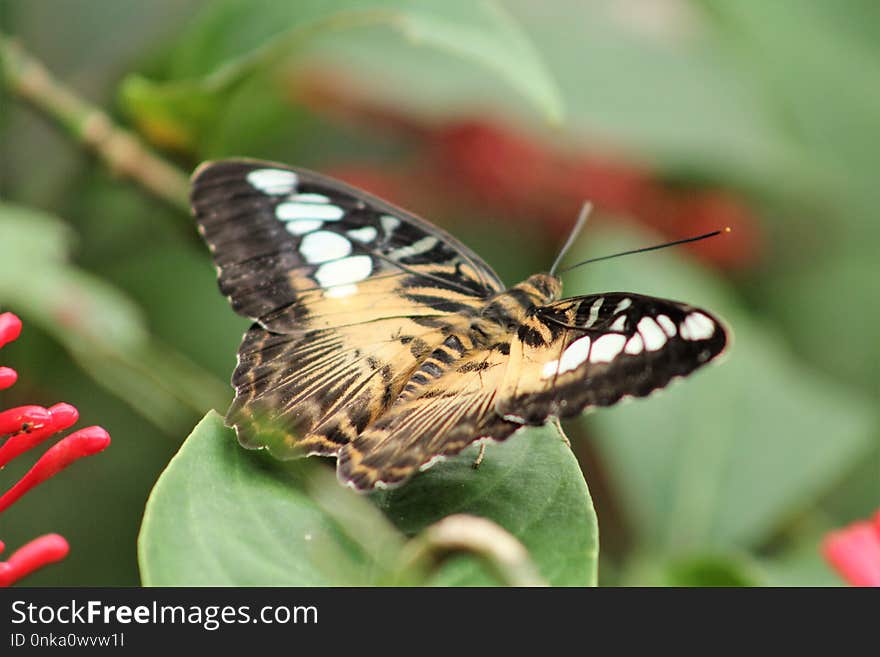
(543, 288)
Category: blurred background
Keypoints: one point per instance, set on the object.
(496, 121)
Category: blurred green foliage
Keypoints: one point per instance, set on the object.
(728, 478)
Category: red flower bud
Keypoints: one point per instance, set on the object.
(32, 556)
(61, 417)
(854, 552)
(24, 418)
(29, 426)
(84, 442)
(10, 328)
(8, 377)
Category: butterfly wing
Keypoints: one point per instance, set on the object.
(443, 409)
(566, 357)
(590, 351)
(349, 294)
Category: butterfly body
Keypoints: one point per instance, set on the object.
(381, 340)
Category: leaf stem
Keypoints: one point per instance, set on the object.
(504, 553)
(120, 149)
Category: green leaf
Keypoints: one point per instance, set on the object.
(236, 40)
(531, 485)
(221, 515)
(36, 277)
(831, 109)
(721, 460)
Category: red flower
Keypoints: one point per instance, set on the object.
(25, 428)
(854, 552)
(32, 556)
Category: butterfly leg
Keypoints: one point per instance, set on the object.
(479, 458)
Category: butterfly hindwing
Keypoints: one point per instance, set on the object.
(447, 408)
(348, 294)
(583, 352)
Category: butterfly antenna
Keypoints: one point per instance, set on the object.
(579, 225)
(650, 248)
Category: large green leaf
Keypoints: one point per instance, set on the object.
(723, 459)
(532, 486)
(220, 515)
(236, 39)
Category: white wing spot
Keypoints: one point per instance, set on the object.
(623, 305)
(575, 354)
(323, 246)
(652, 334)
(389, 223)
(619, 324)
(292, 211)
(594, 312)
(607, 347)
(345, 271)
(303, 226)
(635, 345)
(311, 198)
(667, 325)
(420, 246)
(550, 369)
(698, 326)
(273, 181)
(363, 235)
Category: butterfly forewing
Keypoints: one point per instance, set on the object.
(594, 350)
(349, 294)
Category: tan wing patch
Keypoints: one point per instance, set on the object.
(312, 392)
(434, 419)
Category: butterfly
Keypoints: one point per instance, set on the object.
(383, 341)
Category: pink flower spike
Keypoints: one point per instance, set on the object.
(62, 416)
(10, 328)
(33, 556)
(84, 442)
(8, 377)
(25, 418)
(854, 552)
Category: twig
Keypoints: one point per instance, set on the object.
(121, 150)
(503, 552)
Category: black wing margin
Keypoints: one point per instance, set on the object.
(589, 351)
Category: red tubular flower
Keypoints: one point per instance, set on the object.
(10, 328)
(27, 427)
(84, 442)
(8, 376)
(61, 416)
(854, 552)
(24, 418)
(32, 556)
